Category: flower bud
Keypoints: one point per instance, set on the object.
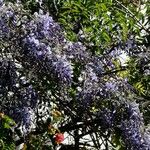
(59, 138)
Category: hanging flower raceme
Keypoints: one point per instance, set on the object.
(63, 69)
(40, 48)
(132, 129)
(49, 61)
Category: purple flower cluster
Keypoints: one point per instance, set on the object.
(63, 69)
(132, 129)
(16, 94)
(76, 51)
(41, 46)
(1, 2)
(40, 39)
(37, 43)
(26, 114)
(8, 21)
(131, 134)
(7, 74)
(111, 86)
(107, 118)
(28, 97)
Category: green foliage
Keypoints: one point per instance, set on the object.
(117, 141)
(5, 133)
(138, 78)
(38, 142)
(100, 23)
(141, 81)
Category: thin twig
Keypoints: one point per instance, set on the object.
(132, 15)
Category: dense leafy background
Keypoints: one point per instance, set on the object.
(83, 83)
